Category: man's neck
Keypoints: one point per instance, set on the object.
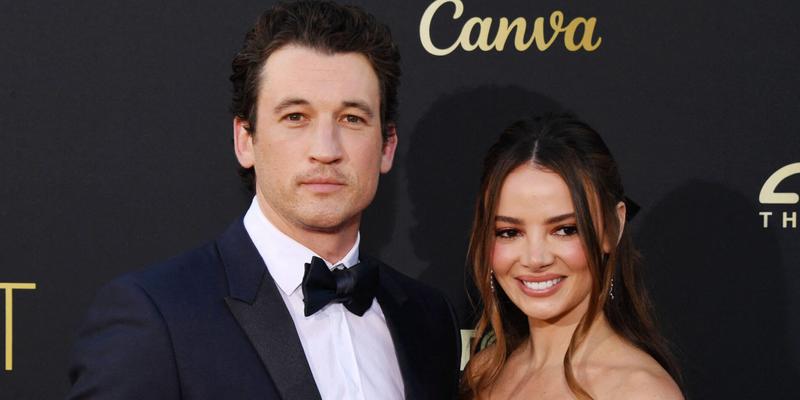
(332, 245)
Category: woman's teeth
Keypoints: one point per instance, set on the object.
(541, 285)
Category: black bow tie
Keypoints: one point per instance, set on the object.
(354, 287)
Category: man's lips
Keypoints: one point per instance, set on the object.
(322, 185)
(321, 181)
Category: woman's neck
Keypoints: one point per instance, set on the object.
(549, 339)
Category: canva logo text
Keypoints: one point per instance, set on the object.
(577, 34)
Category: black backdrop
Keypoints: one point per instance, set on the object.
(116, 153)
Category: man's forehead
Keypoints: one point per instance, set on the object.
(301, 71)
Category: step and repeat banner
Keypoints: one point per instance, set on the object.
(116, 153)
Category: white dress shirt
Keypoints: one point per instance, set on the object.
(351, 357)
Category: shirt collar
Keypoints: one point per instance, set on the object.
(285, 257)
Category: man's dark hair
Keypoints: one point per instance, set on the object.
(323, 26)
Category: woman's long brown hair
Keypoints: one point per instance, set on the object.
(570, 148)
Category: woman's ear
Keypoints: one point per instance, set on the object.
(621, 210)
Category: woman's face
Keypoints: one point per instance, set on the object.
(538, 258)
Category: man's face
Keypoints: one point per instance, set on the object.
(317, 148)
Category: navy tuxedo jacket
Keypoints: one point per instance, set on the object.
(211, 324)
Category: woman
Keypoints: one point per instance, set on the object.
(558, 275)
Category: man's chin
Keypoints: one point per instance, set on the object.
(328, 223)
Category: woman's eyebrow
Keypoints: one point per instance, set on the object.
(510, 220)
(560, 218)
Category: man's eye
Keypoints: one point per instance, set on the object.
(353, 119)
(506, 233)
(567, 230)
(294, 117)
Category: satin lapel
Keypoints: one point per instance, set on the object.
(259, 309)
(269, 326)
(400, 313)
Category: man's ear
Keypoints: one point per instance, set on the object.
(620, 211)
(243, 142)
(389, 148)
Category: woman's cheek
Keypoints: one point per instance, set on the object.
(502, 257)
(574, 256)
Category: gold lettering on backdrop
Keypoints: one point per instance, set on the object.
(425, 27)
(9, 300)
(765, 215)
(518, 26)
(790, 218)
(770, 195)
(787, 219)
(585, 27)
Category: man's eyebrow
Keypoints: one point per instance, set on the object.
(510, 220)
(560, 218)
(286, 103)
(364, 107)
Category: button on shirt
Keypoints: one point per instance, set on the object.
(351, 357)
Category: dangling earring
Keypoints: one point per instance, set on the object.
(491, 280)
(611, 289)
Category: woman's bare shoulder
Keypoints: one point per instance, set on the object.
(636, 375)
(647, 384)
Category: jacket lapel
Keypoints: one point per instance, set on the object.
(399, 313)
(259, 309)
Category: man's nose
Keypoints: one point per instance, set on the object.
(326, 146)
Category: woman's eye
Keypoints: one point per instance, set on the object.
(567, 230)
(506, 233)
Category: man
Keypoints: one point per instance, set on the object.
(283, 305)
